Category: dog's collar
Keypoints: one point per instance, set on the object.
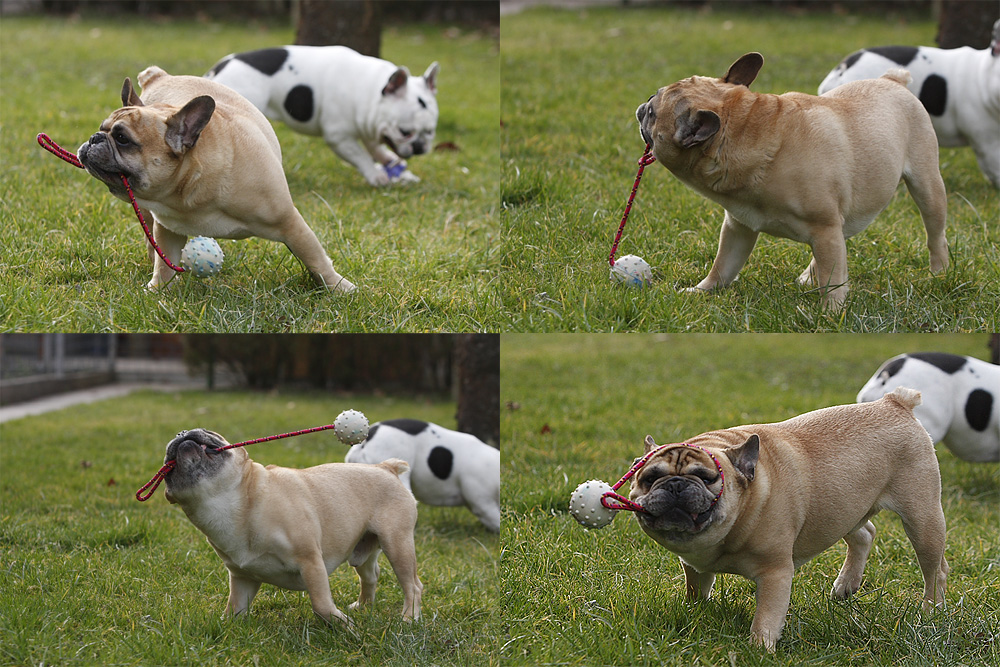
(624, 503)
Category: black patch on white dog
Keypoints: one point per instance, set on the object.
(901, 55)
(949, 363)
(934, 94)
(891, 368)
(219, 66)
(978, 407)
(299, 103)
(849, 60)
(265, 61)
(411, 426)
(440, 461)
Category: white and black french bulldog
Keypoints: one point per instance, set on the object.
(961, 399)
(960, 88)
(447, 468)
(372, 113)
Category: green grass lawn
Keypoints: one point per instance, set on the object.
(426, 256)
(90, 576)
(571, 81)
(579, 407)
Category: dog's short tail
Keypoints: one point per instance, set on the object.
(908, 398)
(900, 76)
(395, 466)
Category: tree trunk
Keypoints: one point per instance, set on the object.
(966, 23)
(353, 23)
(478, 359)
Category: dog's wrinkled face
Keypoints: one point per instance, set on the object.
(681, 489)
(146, 144)
(198, 459)
(688, 114)
(677, 487)
(408, 112)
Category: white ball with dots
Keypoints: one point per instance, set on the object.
(585, 504)
(202, 256)
(632, 270)
(351, 427)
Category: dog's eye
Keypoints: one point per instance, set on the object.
(706, 477)
(120, 138)
(406, 133)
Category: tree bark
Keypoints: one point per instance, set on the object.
(966, 23)
(478, 359)
(353, 23)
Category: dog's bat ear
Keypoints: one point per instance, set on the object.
(129, 97)
(397, 81)
(744, 71)
(650, 445)
(697, 128)
(744, 457)
(430, 77)
(185, 126)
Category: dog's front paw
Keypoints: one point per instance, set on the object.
(343, 286)
(406, 176)
(378, 178)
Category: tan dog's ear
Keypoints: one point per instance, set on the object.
(650, 445)
(744, 457)
(185, 126)
(129, 98)
(697, 128)
(744, 71)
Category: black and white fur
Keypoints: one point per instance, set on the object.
(372, 113)
(960, 88)
(961, 399)
(447, 467)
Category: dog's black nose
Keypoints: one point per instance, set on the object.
(98, 138)
(419, 148)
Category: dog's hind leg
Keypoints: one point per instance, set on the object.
(402, 556)
(364, 560)
(924, 182)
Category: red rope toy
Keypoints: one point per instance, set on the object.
(142, 496)
(626, 504)
(646, 159)
(58, 151)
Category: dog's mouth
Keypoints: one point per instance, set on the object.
(191, 445)
(678, 520)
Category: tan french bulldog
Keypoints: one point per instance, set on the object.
(761, 500)
(204, 162)
(291, 528)
(813, 169)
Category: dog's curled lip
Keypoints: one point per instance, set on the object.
(676, 520)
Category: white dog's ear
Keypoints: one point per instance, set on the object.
(397, 82)
(744, 457)
(430, 77)
(744, 71)
(693, 129)
(185, 126)
(129, 98)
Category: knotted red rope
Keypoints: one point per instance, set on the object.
(613, 501)
(59, 151)
(646, 159)
(141, 496)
